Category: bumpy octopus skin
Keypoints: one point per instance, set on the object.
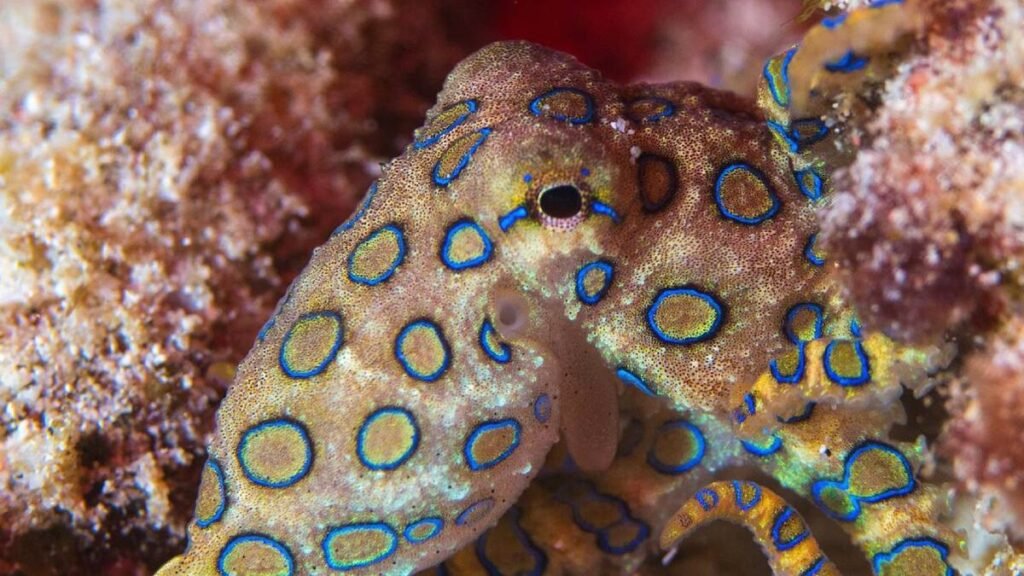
(565, 309)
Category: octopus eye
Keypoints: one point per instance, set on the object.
(561, 206)
(561, 202)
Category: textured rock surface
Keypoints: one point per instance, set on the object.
(162, 165)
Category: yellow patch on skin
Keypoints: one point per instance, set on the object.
(311, 344)
(445, 121)
(675, 446)
(210, 501)
(916, 561)
(877, 471)
(423, 351)
(684, 316)
(594, 280)
(745, 194)
(387, 439)
(563, 104)
(275, 454)
(357, 546)
(374, 260)
(491, 443)
(803, 324)
(455, 156)
(844, 360)
(246, 556)
(466, 245)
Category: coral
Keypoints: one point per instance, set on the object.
(927, 219)
(927, 226)
(547, 234)
(158, 161)
(984, 439)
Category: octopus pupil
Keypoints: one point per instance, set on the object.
(563, 201)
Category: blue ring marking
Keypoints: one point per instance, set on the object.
(467, 449)
(843, 485)
(803, 416)
(221, 489)
(893, 492)
(793, 137)
(527, 178)
(605, 210)
(267, 326)
(748, 409)
(853, 381)
(834, 22)
(815, 191)
(581, 291)
(445, 180)
(820, 486)
(446, 246)
(331, 354)
(364, 428)
(818, 133)
(584, 171)
(709, 299)
(634, 381)
(813, 258)
(399, 258)
(855, 327)
(923, 542)
(643, 531)
(847, 63)
(260, 538)
(780, 520)
(354, 219)
(780, 99)
(819, 320)
(667, 109)
(504, 352)
(706, 498)
(508, 220)
(432, 376)
(737, 489)
(588, 115)
(342, 530)
(815, 568)
(281, 303)
(471, 107)
(540, 560)
(682, 467)
(770, 213)
(798, 373)
(464, 517)
(751, 403)
(542, 408)
(307, 465)
(883, 3)
(763, 451)
(436, 524)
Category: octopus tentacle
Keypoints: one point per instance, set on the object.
(787, 541)
(828, 430)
